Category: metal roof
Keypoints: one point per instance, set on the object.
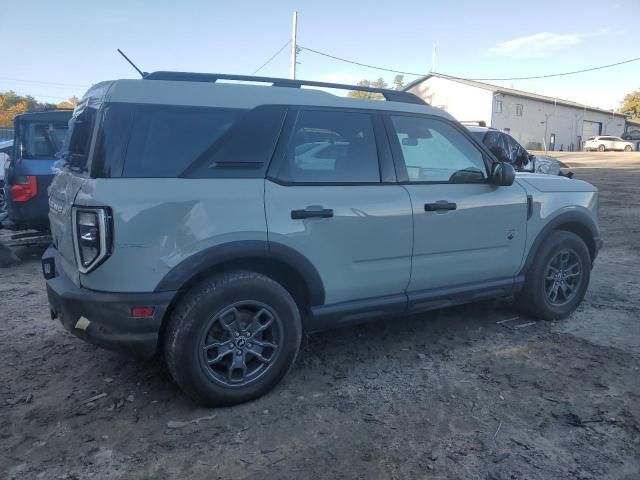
(509, 91)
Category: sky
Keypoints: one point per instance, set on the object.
(53, 50)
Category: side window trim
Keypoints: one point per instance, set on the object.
(280, 155)
(398, 157)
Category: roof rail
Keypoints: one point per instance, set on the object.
(389, 95)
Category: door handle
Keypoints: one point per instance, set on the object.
(439, 205)
(311, 212)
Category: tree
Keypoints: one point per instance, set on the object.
(12, 104)
(379, 83)
(398, 81)
(71, 103)
(631, 105)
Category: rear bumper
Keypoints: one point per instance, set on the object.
(104, 319)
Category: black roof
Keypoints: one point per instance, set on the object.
(45, 116)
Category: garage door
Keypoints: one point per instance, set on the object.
(591, 129)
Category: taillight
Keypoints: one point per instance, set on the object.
(24, 189)
(91, 232)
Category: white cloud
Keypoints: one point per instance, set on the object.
(536, 45)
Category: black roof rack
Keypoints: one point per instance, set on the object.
(389, 95)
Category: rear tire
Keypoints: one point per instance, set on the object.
(628, 148)
(232, 338)
(601, 148)
(557, 281)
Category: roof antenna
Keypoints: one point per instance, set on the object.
(142, 74)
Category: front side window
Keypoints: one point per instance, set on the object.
(330, 147)
(434, 151)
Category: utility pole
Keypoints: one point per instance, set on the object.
(433, 58)
(294, 45)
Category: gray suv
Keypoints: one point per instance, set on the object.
(216, 223)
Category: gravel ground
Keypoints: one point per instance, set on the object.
(456, 393)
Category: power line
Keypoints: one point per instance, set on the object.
(478, 79)
(564, 73)
(39, 82)
(272, 57)
(359, 63)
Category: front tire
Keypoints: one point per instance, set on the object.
(232, 338)
(557, 282)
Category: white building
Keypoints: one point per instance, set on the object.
(534, 120)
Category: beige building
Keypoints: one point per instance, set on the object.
(534, 120)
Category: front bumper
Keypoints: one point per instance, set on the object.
(102, 318)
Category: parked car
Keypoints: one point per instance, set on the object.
(6, 147)
(604, 143)
(190, 220)
(38, 137)
(507, 149)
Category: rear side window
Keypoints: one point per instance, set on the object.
(326, 146)
(165, 140)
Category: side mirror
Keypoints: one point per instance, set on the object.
(502, 174)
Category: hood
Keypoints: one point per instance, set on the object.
(553, 183)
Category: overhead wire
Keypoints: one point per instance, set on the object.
(272, 57)
(531, 77)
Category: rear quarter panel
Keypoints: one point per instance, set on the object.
(158, 223)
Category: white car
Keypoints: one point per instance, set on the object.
(605, 143)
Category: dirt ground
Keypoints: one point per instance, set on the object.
(450, 394)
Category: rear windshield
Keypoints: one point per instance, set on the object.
(41, 140)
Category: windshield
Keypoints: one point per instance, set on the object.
(41, 140)
(479, 136)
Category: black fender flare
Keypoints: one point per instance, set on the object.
(573, 217)
(217, 255)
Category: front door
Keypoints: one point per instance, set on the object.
(325, 198)
(467, 233)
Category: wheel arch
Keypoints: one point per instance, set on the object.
(281, 263)
(578, 223)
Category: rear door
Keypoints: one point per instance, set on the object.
(468, 234)
(330, 196)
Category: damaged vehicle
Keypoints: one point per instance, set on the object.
(214, 224)
(507, 149)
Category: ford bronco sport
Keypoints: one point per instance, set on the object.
(216, 223)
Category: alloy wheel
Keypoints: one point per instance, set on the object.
(240, 343)
(563, 277)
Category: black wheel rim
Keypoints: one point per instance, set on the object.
(240, 343)
(563, 277)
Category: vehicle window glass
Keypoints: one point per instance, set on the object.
(435, 151)
(331, 147)
(78, 140)
(479, 136)
(42, 139)
(165, 139)
(113, 140)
